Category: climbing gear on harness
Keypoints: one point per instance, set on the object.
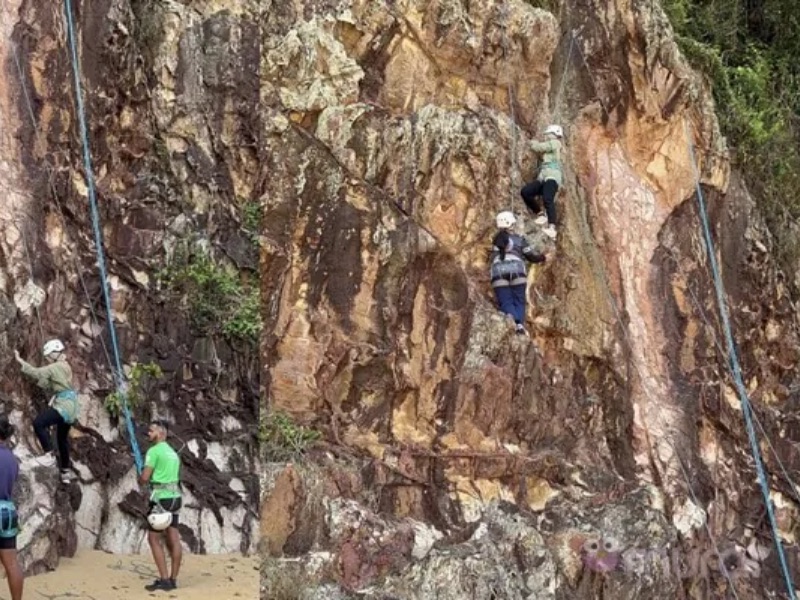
(52, 347)
(556, 130)
(159, 518)
(66, 403)
(505, 219)
(9, 521)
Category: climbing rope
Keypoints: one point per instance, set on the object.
(514, 170)
(734, 364)
(119, 374)
(696, 303)
(560, 95)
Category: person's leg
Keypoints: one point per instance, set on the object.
(42, 425)
(174, 538)
(8, 556)
(505, 300)
(154, 539)
(518, 296)
(175, 552)
(549, 191)
(529, 194)
(62, 437)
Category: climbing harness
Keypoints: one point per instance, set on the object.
(69, 412)
(9, 520)
(734, 364)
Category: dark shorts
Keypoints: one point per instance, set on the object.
(9, 543)
(173, 505)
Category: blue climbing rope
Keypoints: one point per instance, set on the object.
(736, 369)
(119, 374)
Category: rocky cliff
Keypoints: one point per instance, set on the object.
(605, 456)
(172, 100)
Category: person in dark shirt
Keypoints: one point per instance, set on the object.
(9, 525)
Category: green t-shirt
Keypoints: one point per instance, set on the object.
(166, 465)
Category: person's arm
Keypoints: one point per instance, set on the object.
(40, 375)
(541, 147)
(144, 478)
(149, 465)
(533, 256)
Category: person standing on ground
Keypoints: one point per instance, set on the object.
(162, 472)
(54, 378)
(9, 525)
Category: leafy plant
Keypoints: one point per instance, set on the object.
(748, 51)
(218, 300)
(251, 219)
(140, 381)
(282, 439)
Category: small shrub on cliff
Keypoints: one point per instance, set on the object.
(218, 301)
(251, 219)
(282, 439)
(141, 379)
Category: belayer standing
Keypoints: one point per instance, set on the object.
(509, 271)
(162, 467)
(54, 378)
(548, 180)
(9, 523)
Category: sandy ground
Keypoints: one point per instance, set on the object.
(94, 575)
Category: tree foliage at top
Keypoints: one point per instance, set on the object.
(750, 50)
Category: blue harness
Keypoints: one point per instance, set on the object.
(9, 522)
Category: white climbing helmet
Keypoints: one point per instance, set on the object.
(160, 520)
(505, 219)
(52, 346)
(555, 130)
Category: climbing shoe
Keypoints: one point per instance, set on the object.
(520, 330)
(550, 231)
(166, 585)
(541, 220)
(46, 460)
(67, 476)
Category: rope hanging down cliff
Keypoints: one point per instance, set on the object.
(119, 374)
(735, 367)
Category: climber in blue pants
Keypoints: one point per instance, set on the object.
(509, 271)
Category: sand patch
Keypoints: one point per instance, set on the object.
(95, 575)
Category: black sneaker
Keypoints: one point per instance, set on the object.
(165, 585)
(173, 583)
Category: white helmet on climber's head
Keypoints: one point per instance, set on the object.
(52, 347)
(555, 130)
(505, 219)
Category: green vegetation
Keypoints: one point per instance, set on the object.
(141, 379)
(749, 51)
(219, 300)
(284, 440)
(251, 219)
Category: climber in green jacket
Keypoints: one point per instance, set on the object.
(548, 179)
(54, 378)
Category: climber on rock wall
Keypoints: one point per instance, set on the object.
(9, 525)
(162, 472)
(508, 270)
(54, 378)
(548, 179)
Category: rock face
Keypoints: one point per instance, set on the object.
(461, 458)
(171, 95)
